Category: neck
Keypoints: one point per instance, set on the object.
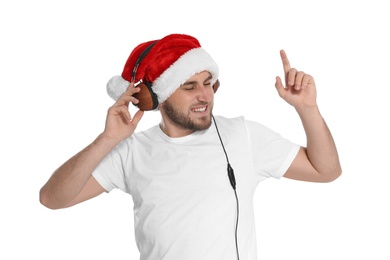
(174, 131)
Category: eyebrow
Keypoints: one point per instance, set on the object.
(193, 82)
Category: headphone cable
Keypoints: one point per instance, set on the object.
(233, 183)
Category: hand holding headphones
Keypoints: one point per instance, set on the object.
(119, 122)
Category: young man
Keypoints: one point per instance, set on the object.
(189, 203)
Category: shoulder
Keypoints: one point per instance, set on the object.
(242, 123)
(149, 134)
(138, 139)
(230, 122)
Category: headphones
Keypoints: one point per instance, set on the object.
(148, 100)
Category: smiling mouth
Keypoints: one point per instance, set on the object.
(199, 109)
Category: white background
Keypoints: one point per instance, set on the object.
(56, 57)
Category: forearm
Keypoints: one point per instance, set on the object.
(69, 179)
(321, 148)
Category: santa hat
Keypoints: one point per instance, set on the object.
(170, 62)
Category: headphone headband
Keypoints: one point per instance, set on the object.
(139, 60)
(148, 100)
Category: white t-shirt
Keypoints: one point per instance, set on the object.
(184, 205)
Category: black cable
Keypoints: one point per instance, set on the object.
(236, 231)
(233, 183)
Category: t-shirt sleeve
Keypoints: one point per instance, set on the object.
(110, 171)
(272, 153)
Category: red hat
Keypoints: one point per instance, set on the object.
(170, 62)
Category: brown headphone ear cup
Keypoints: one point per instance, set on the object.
(147, 98)
(216, 86)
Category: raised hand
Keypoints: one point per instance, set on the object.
(299, 89)
(119, 123)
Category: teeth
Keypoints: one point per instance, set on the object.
(200, 109)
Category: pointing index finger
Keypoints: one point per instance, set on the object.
(285, 61)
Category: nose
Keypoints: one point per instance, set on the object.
(205, 94)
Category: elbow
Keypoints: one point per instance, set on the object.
(338, 173)
(44, 199)
(333, 175)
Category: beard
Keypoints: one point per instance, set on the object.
(184, 121)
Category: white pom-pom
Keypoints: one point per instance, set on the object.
(116, 86)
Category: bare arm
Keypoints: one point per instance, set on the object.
(319, 161)
(70, 178)
(73, 182)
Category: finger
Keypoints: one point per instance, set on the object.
(298, 80)
(124, 112)
(137, 117)
(306, 80)
(120, 111)
(131, 90)
(122, 101)
(291, 77)
(131, 85)
(285, 61)
(125, 99)
(279, 86)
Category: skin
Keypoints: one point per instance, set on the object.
(319, 161)
(187, 110)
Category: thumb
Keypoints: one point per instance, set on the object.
(137, 117)
(279, 86)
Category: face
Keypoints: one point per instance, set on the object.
(189, 108)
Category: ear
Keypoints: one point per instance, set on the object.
(216, 86)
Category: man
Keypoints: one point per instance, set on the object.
(189, 203)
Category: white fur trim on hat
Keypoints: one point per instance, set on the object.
(192, 62)
(116, 86)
